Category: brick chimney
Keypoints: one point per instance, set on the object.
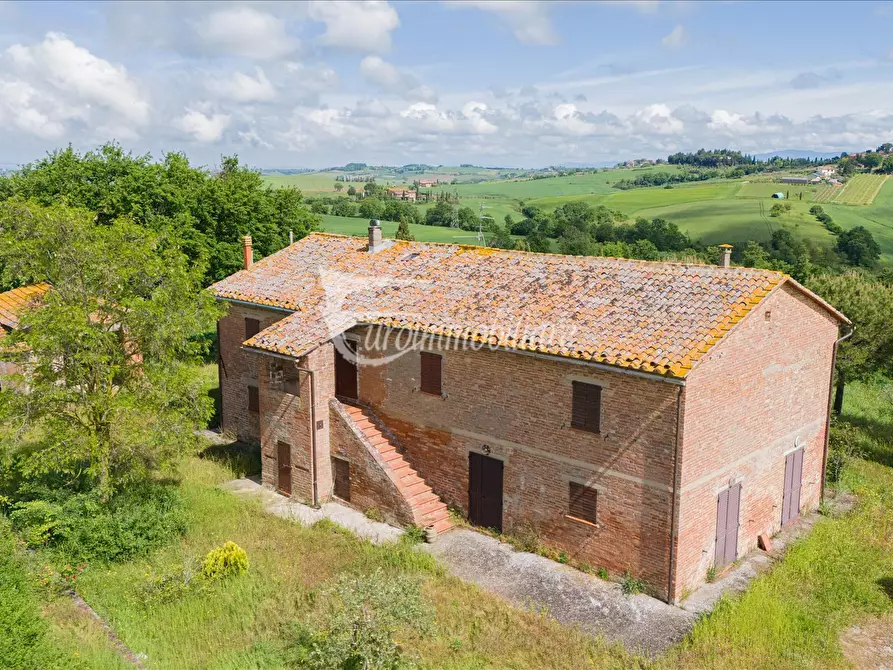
(247, 252)
(374, 235)
(726, 255)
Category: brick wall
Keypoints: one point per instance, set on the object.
(240, 370)
(518, 408)
(745, 405)
(371, 483)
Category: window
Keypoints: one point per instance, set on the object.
(583, 502)
(285, 378)
(431, 373)
(253, 399)
(587, 407)
(252, 328)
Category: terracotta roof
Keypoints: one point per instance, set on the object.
(653, 317)
(13, 302)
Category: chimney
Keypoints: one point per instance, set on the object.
(374, 235)
(247, 252)
(726, 255)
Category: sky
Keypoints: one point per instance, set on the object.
(507, 83)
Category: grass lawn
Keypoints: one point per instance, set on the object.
(344, 225)
(789, 618)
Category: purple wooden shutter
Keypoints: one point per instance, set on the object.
(722, 513)
(732, 523)
(793, 477)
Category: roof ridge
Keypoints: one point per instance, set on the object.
(490, 250)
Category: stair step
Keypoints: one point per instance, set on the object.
(443, 526)
(375, 440)
(391, 456)
(363, 424)
(431, 507)
(410, 478)
(420, 499)
(415, 489)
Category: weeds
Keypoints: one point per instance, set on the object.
(630, 585)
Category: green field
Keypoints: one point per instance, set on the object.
(350, 226)
(711, 212)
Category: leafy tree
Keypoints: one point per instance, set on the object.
(576, 214)
(858, 246)
(501, 238)
(538, 241)
(403, 231)
(440, 215)
(351, 190)
(846, 166)
(468, 219)
(644, 250)
(755, 256)
(576, 243)
(371, 208)
(871, 160)
(108, 357)
(339, 186)
(665, 235)
(344, 207)
(816, 210)
(868, 304)
(207, 213)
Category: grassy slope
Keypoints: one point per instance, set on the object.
(789, 618)
(356, 226)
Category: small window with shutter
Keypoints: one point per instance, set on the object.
(431, 373)
(252, 328)
(290, 383)
(583, 502)
(586, 408)
(253, 399)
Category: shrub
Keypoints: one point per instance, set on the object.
(23, 633)
(132, 523)
(603, 573)
(229, 560)
(711, 574)
(37, 521)
(630, 585)
(525, 537)
(373, 514)
(843, 446)
(365, 614)
(170, 585)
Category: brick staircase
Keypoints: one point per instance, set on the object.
(428, 509)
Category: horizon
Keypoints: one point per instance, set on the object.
(509, 84)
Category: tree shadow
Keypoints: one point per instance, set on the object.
(879, 448)
(243, 460)
(886, 584)
(214, 421)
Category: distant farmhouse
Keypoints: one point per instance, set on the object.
(795, 180)
(400, 193)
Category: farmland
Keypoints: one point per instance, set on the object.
(712, 212)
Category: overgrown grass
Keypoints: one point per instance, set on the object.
(789, 618)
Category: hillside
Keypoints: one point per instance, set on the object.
(713, 211)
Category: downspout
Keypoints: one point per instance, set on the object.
(313, 474)
(828, 416)
(673, 524)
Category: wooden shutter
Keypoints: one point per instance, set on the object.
(431, 373)
(586, 407)
(583, 502)
(252, 328)
(341, 472)
(253, 399)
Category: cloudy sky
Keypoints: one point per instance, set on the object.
(498, 83)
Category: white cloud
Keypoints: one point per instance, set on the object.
(20, 108)
(60, 67)
(241, 87)
(316, 78)
(676, 38)
(357, 25)
(203, 127)
(246, 32)
(528, 19)
(389, 78)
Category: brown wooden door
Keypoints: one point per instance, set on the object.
(485, 491)
(728, 505)
(341, 472)
(283, 457)
(346, 373)
(793, 477)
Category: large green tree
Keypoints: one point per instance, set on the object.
(107, 392)
(206, 212)
(868, 303)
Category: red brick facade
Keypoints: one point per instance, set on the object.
(762, 391)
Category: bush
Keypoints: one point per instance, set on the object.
(230, 560)
(36, 521)
(843, 446)
(630, 585)
(23, 639)
(365, 614)
(132, 523)
(414, 534)
(170, 585)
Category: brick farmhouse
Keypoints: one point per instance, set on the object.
(12, 304)
(650, 417)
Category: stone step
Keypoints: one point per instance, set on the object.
(364, 424)
(410, 478)
(420, 499)
(391, 456)
(431, 507)
(415, 489)
(443, 526)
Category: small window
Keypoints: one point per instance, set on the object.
(253, 399)
(252, 328)
(587, 407)
(431, 373)
(285, 378)
(583, 502)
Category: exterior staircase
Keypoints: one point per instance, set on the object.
(428, 510)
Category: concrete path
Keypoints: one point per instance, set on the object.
(573, 598)
(286, 508)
